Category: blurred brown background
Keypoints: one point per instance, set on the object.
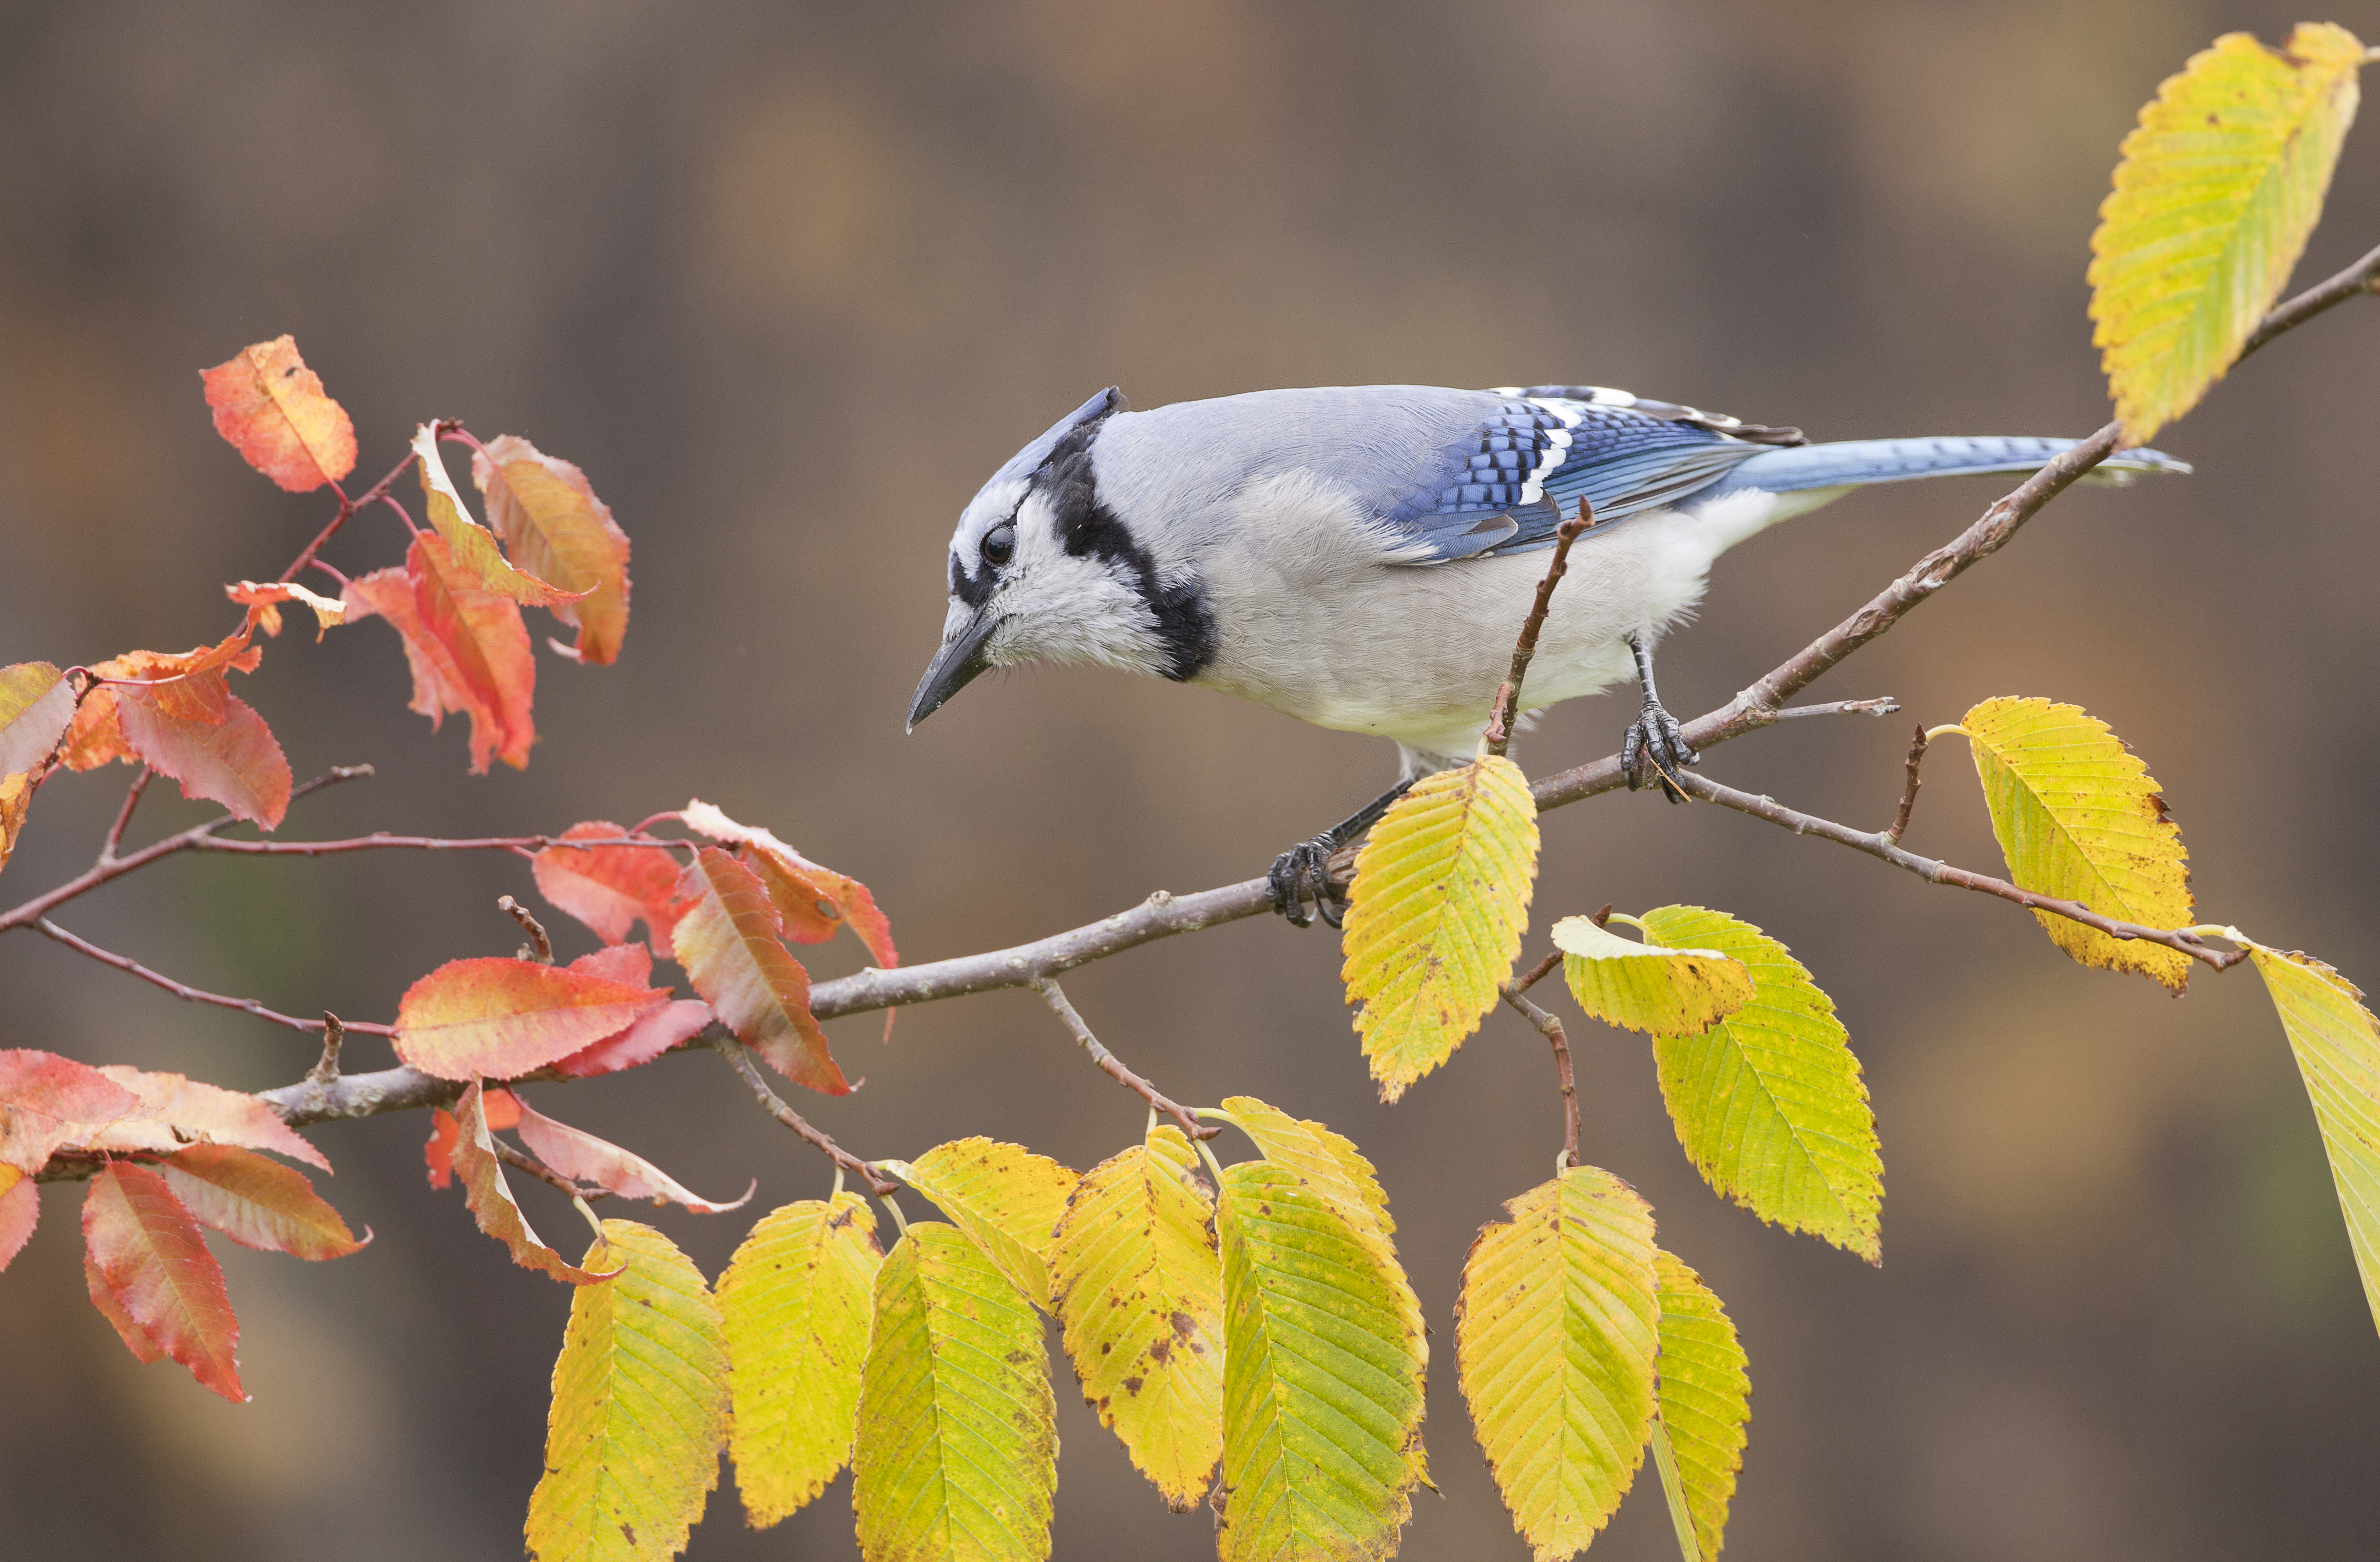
(790, 279)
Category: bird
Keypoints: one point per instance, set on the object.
(1359, 556)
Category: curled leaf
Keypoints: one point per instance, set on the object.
(583, 1158)
(726, 939)
(490, 1197)
(273, 411)
(1645, 986)
(472, 657)
(812, 899)
(266, 597)
(550, 520)
(472, 552)
(609, 887)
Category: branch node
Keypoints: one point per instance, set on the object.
(531, 926)
(1909, 793)
(326, 1071)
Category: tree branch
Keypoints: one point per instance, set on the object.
(2364, 276)
(124, 816)
(1550, 1026)
(740, 1058)
(181, 990)
(1893, 832)
(1114, 1065)
(1501, 713)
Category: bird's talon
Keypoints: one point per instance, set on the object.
(1302, 871)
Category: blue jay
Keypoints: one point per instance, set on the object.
(1358, 556)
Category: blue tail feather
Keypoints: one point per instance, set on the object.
(1854, 463)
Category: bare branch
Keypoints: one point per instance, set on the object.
(1114, 1065)
(1500, 714)
(1550, 1026)
(181, 990)
(1932, 871)
(1884, 707)
(531, 926)
(2364, 276)
(124, 816)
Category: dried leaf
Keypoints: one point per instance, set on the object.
(1645, 986)
(47, 1101)
(176, 1111)
(96, 738)
(215, 744)
(149, 1256)
(275, 412)
(258, 1203)
(552, 522)
(609, 887)
(727, 941)
(486, 644)
(823, 895)
(503, 1017)
(329, 612)
(473, 554)
(21, 1210)
(36, 704)
(583, 1158)
(490, 1197)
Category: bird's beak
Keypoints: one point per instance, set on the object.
(956, 664)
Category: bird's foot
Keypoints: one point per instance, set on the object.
(1302, 871)
(1655, 749)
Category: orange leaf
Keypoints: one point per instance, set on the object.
(582, 1157)
(21, 1210)
(175, 1110)
(95, 738)
(257, 1203)
(824, 894)
(608, 887)
(154, 1265)
(491, 1200)
(47, 1101)
(329, 613)
(727, 942)
(503, 1017)
(145, 1350)
(440, 1151)
(273, 411)
(618, 962)
(470, 656)
(501, 1108)
(656, 1033)
(16, 797)
(212, 742)
(36, 704)
(474, 550)
(553, 523)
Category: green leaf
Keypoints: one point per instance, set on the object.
(957, 1455)
(1647, 986)
(796, 1303)
(1139, 1284)
(639, 1407)
(1322, 1378)
(1555, 1333)
(2219, 186)
(1769, 1103)
(1706, 1398)
(1440, 895)
(1005, 1196)
(2080, 818)
(2338, 1050)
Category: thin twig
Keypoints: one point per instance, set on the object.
(740, 1058)
(1909, 793)
(1883, 707)
(531, 926)
(1537, 973)
(182, 990)
(1876, 845)
(1114, 1065)
(1551, 1027)
(348, 508)
(381, 840)
(124, 816)
(522, 1160)
(2364, 276)
(325, 1071)
(1500, 714)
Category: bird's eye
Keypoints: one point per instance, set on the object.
(998, 542)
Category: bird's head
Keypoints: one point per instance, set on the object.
(1042, 570)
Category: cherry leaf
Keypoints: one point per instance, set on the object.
(174, 1111)
(582, 1157)
(609, 887)
(490, 1201)
(275, 412)
(153, 1261)
(550, 520)
(474, 546)
(505, 1017)
(20, 1211)
(258, 1203)
(727, 942)
(439, 1151)
(842, 895)
(47, 1101)
(671, 1025)
(36, 704)
(211, 742)
(266, 598)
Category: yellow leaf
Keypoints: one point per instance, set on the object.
(1555, 1334)
(639, 1407)
(1645, 986)
(1440, 896)
(1005, 1196)
(2219, 186)
(16, 797)
(1139, 1287)
(2338, 1049)
(474, 546)
(1769, 1103)
(1705, 1396)
(796, 1300)
(957, 1454)
(552, 522)
(1322, 1378)
(1328, 1161)
(2080, 818)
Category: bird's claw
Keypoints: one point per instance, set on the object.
(1305, 870)
(1656, 739)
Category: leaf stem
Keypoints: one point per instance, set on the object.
(1052, 995)
(739, 1057)
(1550, 1026)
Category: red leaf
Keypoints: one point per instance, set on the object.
(582, 1157)
(47, 1101)
(506, 1018)
(257, 1203)
(36, 704)
(95, 738)
(174, 1111)
(808, 882)
(641, 1042)
(727, 942)
(608, 887)
(273, 411)
(154, 1265)
(145, 1350)
(491, 1200)
(472, 656)
(474, 551)
(440, 1151)
(631, 963)
(21, 1210)
(501, 1108)
(552, 522)
(198, 732)
(267, 596)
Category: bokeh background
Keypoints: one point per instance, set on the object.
(789, 279)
